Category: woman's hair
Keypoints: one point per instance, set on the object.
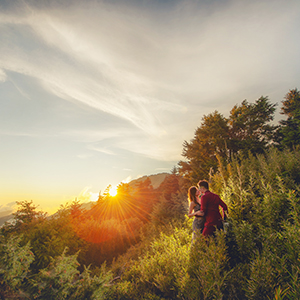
(192, 194)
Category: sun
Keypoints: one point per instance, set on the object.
(113, 191)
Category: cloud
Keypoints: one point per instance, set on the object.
(104, 149)
(85, 196)
(74, 62)
(2, 76)
(158, 67)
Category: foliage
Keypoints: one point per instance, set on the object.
(27, 214)
(210, 139)
(172, 210)
(61, 280)
(290, 129)
(15, 261)
(108, 238)
(247, 130)
(249, 126)
(162, 270)
(207, 268)
(263, 236)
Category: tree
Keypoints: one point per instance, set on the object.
(246, 129)
(169, 187)
(210, 139)
(249, 126)
(289, 133)
(25, 218)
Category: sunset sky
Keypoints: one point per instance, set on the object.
(93, 93)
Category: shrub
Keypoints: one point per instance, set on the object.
(162, 270)
(207, 268)
(61, 280)
(14, 264)
(262, 280)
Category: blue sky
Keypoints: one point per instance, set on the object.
(93, 93)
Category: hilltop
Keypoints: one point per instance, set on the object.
(156, 180)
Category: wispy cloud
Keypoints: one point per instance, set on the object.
(76, 63)
(2, 76)
(124, 61)
(103, 149)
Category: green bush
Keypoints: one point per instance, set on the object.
(245, 238)
(62, 280)
(207, 268)
(15, 262)
(162, 270)
(262, 282)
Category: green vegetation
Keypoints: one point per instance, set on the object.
(138, 244)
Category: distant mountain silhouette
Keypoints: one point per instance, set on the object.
(5, 213)
(6, 216)
(156, 180)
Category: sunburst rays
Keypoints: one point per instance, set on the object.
(118, 215)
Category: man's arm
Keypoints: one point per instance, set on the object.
(224, 208)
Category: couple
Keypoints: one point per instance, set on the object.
(206, 210)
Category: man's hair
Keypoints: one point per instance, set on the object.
(203, 183)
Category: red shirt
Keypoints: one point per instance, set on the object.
(210, 203)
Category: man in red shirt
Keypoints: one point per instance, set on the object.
(210, 203)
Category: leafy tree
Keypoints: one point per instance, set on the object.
(169, 187)
(144, 198)
(246, 129)
(290, 128)
(172, 204)
(210, 139)
(249, 126)
(170, 210)
(27, 216)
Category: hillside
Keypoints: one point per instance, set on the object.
(6, 218)
(135, 257)
(156, 180)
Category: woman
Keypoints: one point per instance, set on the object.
(195, 210)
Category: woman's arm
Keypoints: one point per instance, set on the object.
(191, 208)
(199, 213)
